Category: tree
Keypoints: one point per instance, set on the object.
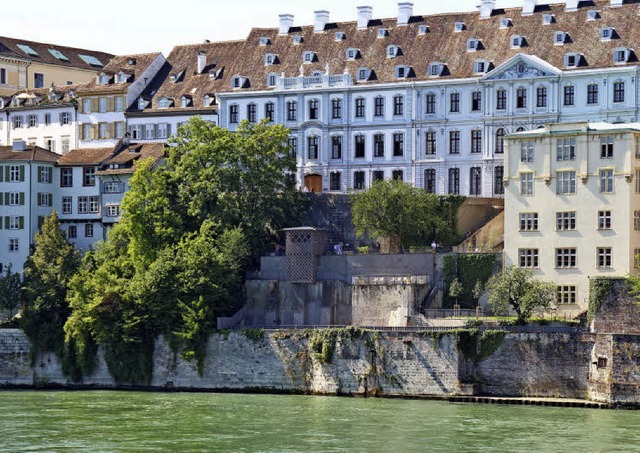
(456, 289)
(516, 288)
(405, 214)
(477, 291)
(10, 291)
(47, 272)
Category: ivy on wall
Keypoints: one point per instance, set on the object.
(599, 289)
(468, 269)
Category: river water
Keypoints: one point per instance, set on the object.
(137, 421)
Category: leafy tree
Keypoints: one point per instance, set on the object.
(456, 289)
(477, 291)
(10, 291)
(47, 272)
(406, 214)
(516, 288)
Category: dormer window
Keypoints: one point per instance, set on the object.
(209, 100)
(177, 77)
(239, 82)
(517, 41)
(383, 32)
(459, 26)
(402, 71)
(436, 69)
(352, 53)
(270, 59)
(317, 74)
(264, 41)
(592, 14)
(363, 74)
(309, 57)
(393, 51)
(606, 34)
(473, 45)
(103, 79)
(423, 29)
(164, 103)
(548, 19)
(560, 38)
(142, 103)
(340, 36)
(271, 79)
(572, 60)
(185, 101)
(123, 77)
(297, 39)
(621, 55)
(481, 66)
(505, 22)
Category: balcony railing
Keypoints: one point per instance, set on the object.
(318, 81)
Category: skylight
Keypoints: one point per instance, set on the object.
(28, 50)
(59, 55)
(91, 60)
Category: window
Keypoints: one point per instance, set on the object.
(498, 176)
(548, 19)
(377, 175)
(112, 187)
(476, 101)
(233, 114)
(359, 146)
(66, 177)
(65, 118)
(565, 257)
(398, 105)
(292, 110)
(392, 51)
(505, 22)
(592, 93)
(500, 141)
(473, 45)
(565, 221)
(44, 175)
(430, 180)
(33, 120)
(358, 180)
(292, 144)
(430, 144)
(565, 182)
(481, 66)
(251, 113)
(298, 39)
(436, 69)
(606, 148)
(526, 183)
(423, 29)
(459, 26)
(541, 97)
(14, 245)
(621, 55)
(113, 210)
(454, 142)
(636, 220)
(336, 108)
(72, 232)
(336, 147)
(398, 144)
(516, 41)
(15, 198)
(88, 230)
(603, 256)
(94, 205)
(604, 220)
(364, 74)
(559, 38)
(378, 145)
(378, 106)
(526, 152)
(360, 108)
(83, 205)
(521, 98)
(45, 199)
(269, 59)
(606, 180)
(65, 143)
(528, 221)
(102, 105)
(569, 95)
(397, 175)
(352, 54)
(88, 176)
(430, 104)
(454, 181)
(475, 184)
(38, 80)
(501, 100)
(269, 111)
(454, 102)
(17, 121)
(636, 258)
(103, 131)
(86, 105)
(572, 60)
(383, 32)
(119, 104)
(565, 294)
(566, 149)
(308, 57)
(334, 180)
(476, 141)
(618, 92)
(528, 257)
(66, 205)
(3, 76)
(312, 147)
(15, 222)
(313, 109)
(162, 130)
(47, 119)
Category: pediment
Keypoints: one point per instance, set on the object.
(522, 66)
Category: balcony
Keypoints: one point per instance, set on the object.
(319, 81)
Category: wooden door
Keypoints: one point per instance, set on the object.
(313, 183)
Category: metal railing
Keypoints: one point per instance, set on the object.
(413, 329)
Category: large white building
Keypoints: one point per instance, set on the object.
(572, 204)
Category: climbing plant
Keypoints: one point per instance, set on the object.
(469, 269)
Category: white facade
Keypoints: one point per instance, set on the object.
(53, 128)
(159, 128)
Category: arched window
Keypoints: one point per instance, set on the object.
(500, 141)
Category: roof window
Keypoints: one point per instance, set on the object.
(298, 39)
(560, 38)
(481, 66)
(59, 55)
(270, 59)
(271, 79)
(437, 69)
(607, 34)
(142, 103)
(340, 36)
(473, 44)
(459, 26)
(309, 57)
(402, 72)
(264, 41)
(505, 22)
(239, 82)
(548, 19)
(393, 51)
(383, 32)
(352, 53)
(423, 29)
(91, 60)
(572, 60)
(186, 101)
(621, 55)
(28, 50)
(517, 41)
(164, 103)
(363, 74)
(593, 14)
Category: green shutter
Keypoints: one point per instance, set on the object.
(38, 198)
(6, 199)
(7, 173)
(1, 198)
(21, 198)
(50, 199)
(21, 221)
(40, 173)
(6, 223)
(40, 221)
(21, 173)
(1, 173)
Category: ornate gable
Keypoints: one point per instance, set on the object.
(522, 66)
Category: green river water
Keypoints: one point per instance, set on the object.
(137, 421)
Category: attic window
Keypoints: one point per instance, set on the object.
(239, 82)
(481, 66)
(270, 59)
(423, 29)
(505, 22)
(308, 57)
(297, 39)
(606, 34)
(548, 19)
(340, 36)
(436, 69)
(393, 51)
(459, 26)
(402, 72)
(103, 79)
(28, 50)
(517, 41)
(363, 74)
(593, 14)
(264, 41)
(185, 101)
(473, 45)
(621, 55)
(271, 79)
(209, 100)
(91, 60)
(164, 103)
(572, 60)
(383, 32)
(141, 104)
(131, 61)
(560, 38)
(59, 55)
(352, 53)
(123, 77)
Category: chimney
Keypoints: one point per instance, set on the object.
(365, 13)
(405, 11)
(528, 7)
(486, 7)
(202, 61)
(615, 3)
(572, 5)
(19, 145)
(286, 22)
(321, 19)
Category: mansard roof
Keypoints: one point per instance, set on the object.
(441, 44)
(133, 65)
(179, 76)
(31, 153)
(70, 55)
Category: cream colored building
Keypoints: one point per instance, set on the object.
(572, 204)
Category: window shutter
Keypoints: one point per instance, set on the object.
(1, 198)
(0, 222)
(7, 173)
(21, 173)
(6, 198)
(94, 132)
(38, 196)
(60, 118)
(95, 106)
(50, 199)
(39, 173)
(80, 107)
(40, 221)
(143, 131)
(124, 103)
(111, 130)
(21, 221)
(21, 198)
(6, 223)
(111, 104)
(1, 173)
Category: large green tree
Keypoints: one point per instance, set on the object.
(406, 214)
(10, 291)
